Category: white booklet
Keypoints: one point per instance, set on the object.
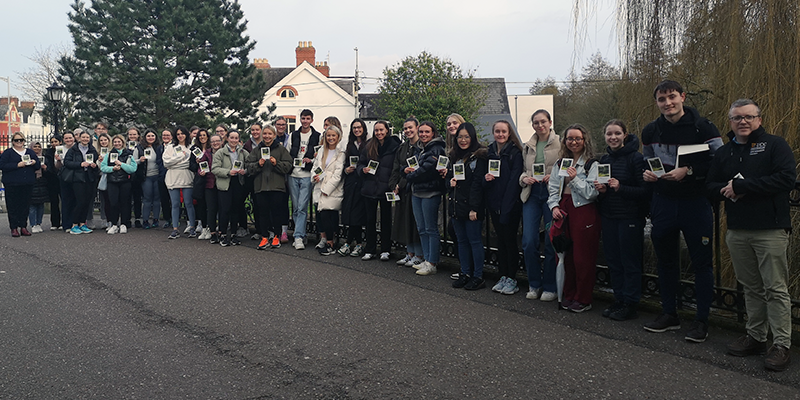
(131, 144)
(319, 172)
(197, 152)
(204, 166)
(237, 165)
(538, 172)
(656, 166)
(458, 171)
(265, 153)
(353, 161)
(603, 173)
(412, 162)
(565, 164)
(391, 196)
(103, 151)
(494, 168)
(113, 157)
(372, 167)
(60, 151)
(89, 158)
(26, 158)
(442, 164)
(298, 163)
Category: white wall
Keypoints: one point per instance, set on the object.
(522, 108)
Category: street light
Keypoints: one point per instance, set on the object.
(55, 94)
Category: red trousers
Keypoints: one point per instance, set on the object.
(580, 262)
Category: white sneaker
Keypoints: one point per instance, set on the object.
(510, 287)
(188, 228)
(108, 228)
(404, 260)
(113, 230)
(298, 243)
(533, 294)
(123, 229)
(205, 235)
(368, 256)
(385, 256)
(415, 262)
(36, 229)
(499, 285)
(427, 269)
(548, 296)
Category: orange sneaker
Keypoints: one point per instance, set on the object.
(264, 244)
(276, 242)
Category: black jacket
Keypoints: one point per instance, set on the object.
(313, 141)
(119, 176)
(768, 166)
(352, 203)
(662, 138)
(376, 186)
(72, 162)
(502, 194)
(468, 194)
(627, 166)
(426, 178)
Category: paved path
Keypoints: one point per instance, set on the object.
(139, 316)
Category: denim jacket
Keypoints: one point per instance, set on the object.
(582, 187)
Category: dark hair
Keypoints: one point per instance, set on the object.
(254, 124)
(667, 86)
(588, 149)
(352, 138)
(412, 119)
(181, 128)
(56, 136)
(373, 143)
(143, 138)
(306, 112)
(541, 111)
(433, 127)
(199, 144)
(103, 124)
(132, 128)
(456, 153)
(617, 122)
(334, 121)
(512, 134)
(193, 128)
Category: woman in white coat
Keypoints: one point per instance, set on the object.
(328, 187)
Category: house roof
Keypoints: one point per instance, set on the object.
(274, 75)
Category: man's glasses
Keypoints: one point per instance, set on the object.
(740, 118)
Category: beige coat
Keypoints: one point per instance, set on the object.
(329, 192)
(551, 155)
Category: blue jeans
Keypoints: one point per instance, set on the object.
(426, 212)
(35, 213)
(175, 196)
(300, 190)
(151, 200)
(533, 210)
(695, 219)
(414, 248)
(468, 234)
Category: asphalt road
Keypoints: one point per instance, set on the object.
(138, 316)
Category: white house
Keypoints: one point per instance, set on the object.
(307, 85)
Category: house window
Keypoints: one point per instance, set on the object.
(290, 123)
(287, 93)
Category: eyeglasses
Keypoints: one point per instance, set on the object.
(748, 118)
(19, 140)
(574, 139)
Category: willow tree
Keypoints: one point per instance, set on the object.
(720, 50)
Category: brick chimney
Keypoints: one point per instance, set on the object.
(305, 52)
(4, 101)
(27, 105)
(322, 67)
(261, 63)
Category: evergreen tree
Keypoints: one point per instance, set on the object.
(161, 62)
(430, 88)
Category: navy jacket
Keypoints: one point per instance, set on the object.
(13, 175)
(627, 166)
(376, 186)
(768, 166)
(426, 178)
(73, 160)
(502, 194)
(468, 194)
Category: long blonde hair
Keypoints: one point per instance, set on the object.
(338, 132)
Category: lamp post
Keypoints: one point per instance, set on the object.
(55, 94)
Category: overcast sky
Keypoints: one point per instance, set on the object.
(519, 40)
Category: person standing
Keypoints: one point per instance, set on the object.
(281, 137)
(50, 173)
(80, 165)
(148, 170)
(19, 166)
(353, 216)
(119, 174)
(39, 195)
(301, 147)
(67, 192)
(542, 149)
(136, 179)
(329, 187)
(679, 205)
(249, 145)
(229, 170)
(403, 210)
(269, 185)
(178, 160)
(754, 173)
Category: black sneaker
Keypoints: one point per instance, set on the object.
(137, 224)
(475, 283)
(461, 281)
(613, 307)
(327, 250)
(224, 242)
(214, 238)
(235, 241)
(698, 332)
(664, 322)
(624, 313)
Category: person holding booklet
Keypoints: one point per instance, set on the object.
(539, 155)
(67, 192)
(406, 234)
(379, 152)
(19, 166)
(573, 197)
(328, 187)
(228, 169)
(269, 163)
(50, 172)
(119, 167)
(211, 194)
(502, 199)
(134, 144)
(148, 170)
(199, 146)
(467, 208)
(103, 145)
(40, 194)
(301, 146)
(679, 204)
(427, 188)
(180, 165)
(80, 169)
(622, 200)
(353, 206)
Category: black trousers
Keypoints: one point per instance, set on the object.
(166, 202)
(212, 209)
(270, 212)
(507, 249)
(54, 192)
(18, 200)
(84, 197)
(229, 203)
(386, 224)
(119, 199)
(327, 222)
(136, 197)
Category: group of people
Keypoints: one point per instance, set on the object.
(556, 185)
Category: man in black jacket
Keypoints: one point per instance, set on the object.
(754, 174)
(679, 205)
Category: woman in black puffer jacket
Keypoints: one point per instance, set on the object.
(427, 187)
(381, 148)
(623, 207)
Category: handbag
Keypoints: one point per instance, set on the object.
(559, 235)
(103, 184)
